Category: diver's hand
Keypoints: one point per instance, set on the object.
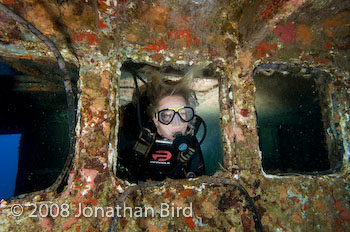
(183, 142)
(186, 155)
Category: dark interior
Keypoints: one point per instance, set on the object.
(290, 127)
(36, 108)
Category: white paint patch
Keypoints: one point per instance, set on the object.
(159, 190)
(300, 197)
(343, 123)
(120, 189)
(180, 62)
(199, 189)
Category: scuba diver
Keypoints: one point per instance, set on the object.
(157, 135)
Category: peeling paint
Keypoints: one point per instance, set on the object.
(286, 33)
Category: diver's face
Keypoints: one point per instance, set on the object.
(176, 125)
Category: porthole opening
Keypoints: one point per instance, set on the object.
(206, 92)
(33, 112)
(291, 118)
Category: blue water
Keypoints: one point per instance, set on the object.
(9, 161)
(212, 145)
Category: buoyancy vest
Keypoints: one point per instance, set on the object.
(145, 155)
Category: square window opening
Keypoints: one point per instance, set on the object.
(292, 114)
(156, 151)
(34, 107)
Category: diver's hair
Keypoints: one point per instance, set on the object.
(158, 87)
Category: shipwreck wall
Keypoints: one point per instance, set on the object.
(234, 38)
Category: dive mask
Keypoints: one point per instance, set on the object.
(167, 115)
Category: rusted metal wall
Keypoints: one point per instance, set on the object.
(233, 38)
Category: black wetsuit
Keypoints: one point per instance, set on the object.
(162, 160)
